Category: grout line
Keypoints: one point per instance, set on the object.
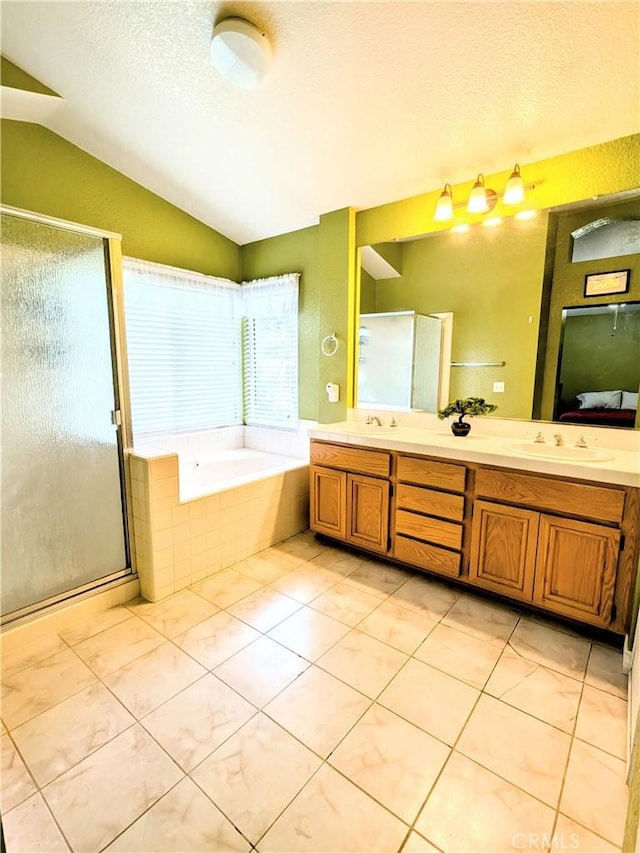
(372, 702)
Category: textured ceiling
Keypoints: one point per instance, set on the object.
(366, 102)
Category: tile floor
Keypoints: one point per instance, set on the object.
(310, 699)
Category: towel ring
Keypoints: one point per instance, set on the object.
(329, 345)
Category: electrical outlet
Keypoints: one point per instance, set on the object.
(498, 387)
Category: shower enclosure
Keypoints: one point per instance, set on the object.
(400, 360)
(63, 496)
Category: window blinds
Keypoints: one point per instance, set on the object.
(203, 351)
(184, 350)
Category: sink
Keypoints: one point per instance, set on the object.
(562, 454)
(374, 429)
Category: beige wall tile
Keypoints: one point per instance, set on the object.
(162, 539)
(197, 509)
(161, 520)
(163, 468)
(163, 504)
(198, 545)
(166, 488)
(180, 515)
(198, 527)
(212, 504)
(136, 468)
(181, 533)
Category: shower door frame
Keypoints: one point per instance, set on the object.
(112, 245)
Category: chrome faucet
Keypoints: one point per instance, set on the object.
(539, 439)
(557, 439)
(374, 419)
(581, 442)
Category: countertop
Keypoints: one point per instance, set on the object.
(623, 469)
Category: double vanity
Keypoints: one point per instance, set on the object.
(555, 527)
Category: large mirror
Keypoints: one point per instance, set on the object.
(508, 289)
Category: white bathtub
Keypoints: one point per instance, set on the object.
(229, 469)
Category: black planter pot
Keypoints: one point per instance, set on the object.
(460, 428)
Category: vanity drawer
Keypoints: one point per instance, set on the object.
(430, 502)
(426, 556)
(355, 459)
(428, 529)
(554, 495)
(425, 472)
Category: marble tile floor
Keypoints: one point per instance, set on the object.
(310, 699)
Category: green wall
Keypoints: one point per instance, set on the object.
(16, 78)
(367, 293)
(42, 172)
(598, 170)
(491, 279)
(295, 252)
(568, 283)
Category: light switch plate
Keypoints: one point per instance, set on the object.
(498, 387)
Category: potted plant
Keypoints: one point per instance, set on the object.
(468, 406)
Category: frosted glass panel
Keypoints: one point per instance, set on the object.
(386, 359)
(62, 522)
(400, 361)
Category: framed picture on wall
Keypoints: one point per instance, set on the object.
(606, 283)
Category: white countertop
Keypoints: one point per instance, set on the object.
(623, 469)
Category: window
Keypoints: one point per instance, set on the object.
(270, 351)
(194, 362)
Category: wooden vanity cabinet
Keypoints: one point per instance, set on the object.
(351, 506)
(503, 549)
(429, 513)
(565, 565)
(576, 569)
(566, 547)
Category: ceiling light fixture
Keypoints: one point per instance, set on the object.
(240, 52)
(482, 199)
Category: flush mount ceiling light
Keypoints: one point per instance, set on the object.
(482, 199)
(240, 52)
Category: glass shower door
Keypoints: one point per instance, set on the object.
(62, 498)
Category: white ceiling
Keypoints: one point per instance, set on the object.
(366, 102)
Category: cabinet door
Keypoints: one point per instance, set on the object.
(328, 501)
(576, 571)
(503, 549)
(368, 512)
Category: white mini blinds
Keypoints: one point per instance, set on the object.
(199, 347)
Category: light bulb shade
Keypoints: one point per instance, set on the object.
(444, 207)
(514, 191)
(478, 202)
(240, 52)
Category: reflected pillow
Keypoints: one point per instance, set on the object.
(629, 400)
(600, 400)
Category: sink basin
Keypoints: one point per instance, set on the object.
(374, 429)
(562, 454)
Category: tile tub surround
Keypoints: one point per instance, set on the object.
(179, 544)
(305, 699)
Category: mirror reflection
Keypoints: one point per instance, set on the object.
(509, 288)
